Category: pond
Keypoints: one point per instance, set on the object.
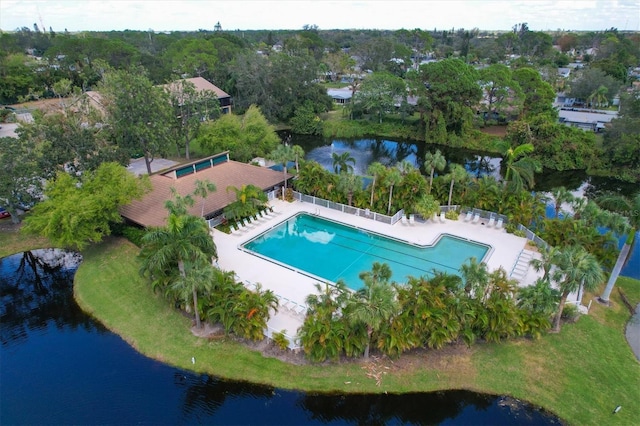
(60, 366)
(478, 163)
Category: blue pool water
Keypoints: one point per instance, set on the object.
(333, 251)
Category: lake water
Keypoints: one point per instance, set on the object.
(60, 366)
(390, 152)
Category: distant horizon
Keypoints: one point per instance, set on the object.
(286, 15)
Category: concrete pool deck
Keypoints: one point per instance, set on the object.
(293, 286)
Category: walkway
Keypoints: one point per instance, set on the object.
(295, 287)
(632, 333)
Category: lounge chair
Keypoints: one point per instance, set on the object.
(412, 219)
(499, 224)
(247, 223)
(492, 220)
(442, 218)
(404, 220)
(476, 218)
(468, 216)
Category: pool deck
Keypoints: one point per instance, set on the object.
(290, 285)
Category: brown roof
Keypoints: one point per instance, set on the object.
(201, 85)
(150, 210)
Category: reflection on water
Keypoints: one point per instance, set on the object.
(390, 152)
(59, 366)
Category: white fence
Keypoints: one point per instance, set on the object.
(366, 213)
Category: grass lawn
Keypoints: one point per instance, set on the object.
(581, 374)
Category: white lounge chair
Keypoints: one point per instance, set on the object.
(476, 218)
(404, 220)
(492, 220)
(499, 224)
(467, 218)
(412, 219)
(442, 218)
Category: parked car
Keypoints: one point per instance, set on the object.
(4, 213)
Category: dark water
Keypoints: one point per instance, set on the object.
(390, 152)
(59, 366)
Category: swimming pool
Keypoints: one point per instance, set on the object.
(331, 251)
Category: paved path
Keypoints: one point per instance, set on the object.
(632, 332)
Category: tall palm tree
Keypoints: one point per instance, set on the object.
(282, 155)
(432, 162)
(575, 267)
(630, 208)
(184, 244)
(348, 184)
(392, 178)
(519, 169)
(375, 170)
(343, 162)
(204, 188)
(375, 303)
(560, 195)
(298, 154)
(457, 174)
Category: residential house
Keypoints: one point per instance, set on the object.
(202, 85)
(592, 120)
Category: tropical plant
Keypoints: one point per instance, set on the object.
(539, 298)
(348, 184)
(432, 162)
(203, 188)
(392, 178)
(375, 170)
(457, 174)
(184, 244)
(375, 304)
(519, 168)
(560, 195)
(342, 162)
(476, 278)
(298, 155)
(249, 200)
(575, 267)
(282, 155)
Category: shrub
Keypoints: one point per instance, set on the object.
(452, 215)
(131, 233)
(280, 340)
(570, 312)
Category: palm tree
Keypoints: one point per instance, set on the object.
(560, 195)
(375, 169)
(519, 169)
(630, 207)
(203, 188)
(184, 244)
(312, 178)
(575, 267)
(348, 184)
(433, 162)
(599, 97)
(298, 154)
(545, 263)
(375, 303)
(249, 199)
(343, 162)
(476, 278)
(392, 178)
(457, 174)
(282, 155)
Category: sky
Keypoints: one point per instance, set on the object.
(191, 15)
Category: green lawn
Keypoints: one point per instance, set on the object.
(581, 374)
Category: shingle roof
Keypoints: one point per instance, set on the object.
(150, 210)
(201, 84)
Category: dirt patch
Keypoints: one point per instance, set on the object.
(500, 131)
